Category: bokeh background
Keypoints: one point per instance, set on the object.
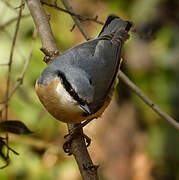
(130, 141)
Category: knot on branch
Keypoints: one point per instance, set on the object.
(49, 55)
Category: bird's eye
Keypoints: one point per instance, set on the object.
(90, 81)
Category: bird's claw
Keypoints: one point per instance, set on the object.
(67, 147)
(70, 137)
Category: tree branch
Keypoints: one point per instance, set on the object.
(78, 146)
(139, 93)
(9, 78)
(81, 18)
(10, 61)
(41, 20)
(21, 77)
(76, 20)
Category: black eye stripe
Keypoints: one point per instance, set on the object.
(90, 81)
(69, 88)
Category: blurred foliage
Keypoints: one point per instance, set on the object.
(138, 143)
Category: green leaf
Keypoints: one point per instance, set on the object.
(16, 127)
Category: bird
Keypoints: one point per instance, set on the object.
(78, 85)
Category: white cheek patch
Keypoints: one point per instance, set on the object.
(67, 103)
(64, 95)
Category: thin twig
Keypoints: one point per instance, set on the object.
(73, 27)
(18, 47)
(21, 6)
(10, 61)
(58, 8)
(81, 18)
(9, 72)
(21, 77)
(136, 90)
(76, 20)
(95, 19)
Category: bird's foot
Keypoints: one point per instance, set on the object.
(76, 131)
(71, 136)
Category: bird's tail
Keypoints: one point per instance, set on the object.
(113, 23)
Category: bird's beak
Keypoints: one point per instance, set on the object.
(86, 109)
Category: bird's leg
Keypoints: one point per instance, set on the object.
(73, 133)
(76, 131)
(70, 137)
(81, 125)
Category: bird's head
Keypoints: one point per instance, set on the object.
(74, 85)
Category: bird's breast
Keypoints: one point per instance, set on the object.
(58, 102)
(61, 105)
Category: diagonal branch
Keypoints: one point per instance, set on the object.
(9, 78)
(21, 77)
(139, 93)
(81, 18)
(76, 20)
(41, 20)
(11, 59)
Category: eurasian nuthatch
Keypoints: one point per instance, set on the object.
(78, 84)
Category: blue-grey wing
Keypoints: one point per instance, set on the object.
(100, 59)
(107, 57)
